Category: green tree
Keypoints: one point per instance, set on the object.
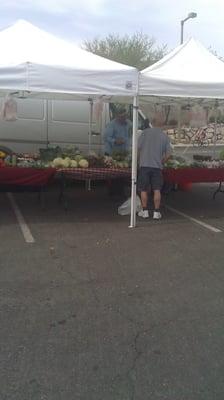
(138, 50)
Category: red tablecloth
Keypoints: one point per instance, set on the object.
(194, 175)
(181, 175)
(26, 176)
(96, 173)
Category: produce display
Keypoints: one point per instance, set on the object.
(179, 162)
(71, 157)
(75, 159)
(2, 154)
(176, 162)
(25, 161)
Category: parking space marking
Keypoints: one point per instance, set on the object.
(207, 226)
(21, 221)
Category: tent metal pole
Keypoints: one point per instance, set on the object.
(215, 131)
(47, 125)
(134, 163)
(179, 123)
(90, 133)
(90, 124)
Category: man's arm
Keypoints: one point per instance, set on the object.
(109, 138)
(165, 158)
(167, 151)
(140, 141)
(139, 145)
(109, 134)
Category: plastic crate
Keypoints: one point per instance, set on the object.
(200, 157)
(49, 154)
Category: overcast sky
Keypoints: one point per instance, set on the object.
(77, 20)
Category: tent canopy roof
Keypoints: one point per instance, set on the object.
(35, 61)
(190, 70)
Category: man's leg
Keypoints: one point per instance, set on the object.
(157, 182)
(144, 213)
(157, 199)
(144, 200)
(143, 183)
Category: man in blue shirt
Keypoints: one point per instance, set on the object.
(117, 134)
(118, 139)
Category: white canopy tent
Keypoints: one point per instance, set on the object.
(34, 63)
(189, 72)
(45, 66)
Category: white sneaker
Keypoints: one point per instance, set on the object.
(143, 214)
(157, 215)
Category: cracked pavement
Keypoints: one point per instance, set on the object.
(95, 311)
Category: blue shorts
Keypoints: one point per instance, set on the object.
(150, 177)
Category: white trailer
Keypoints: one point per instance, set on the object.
(54, 122)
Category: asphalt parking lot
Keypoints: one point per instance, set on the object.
(93, 310)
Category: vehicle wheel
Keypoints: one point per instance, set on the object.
(6, 150)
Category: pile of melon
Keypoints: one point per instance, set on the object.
(67, 162)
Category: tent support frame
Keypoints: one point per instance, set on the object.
(134, 163)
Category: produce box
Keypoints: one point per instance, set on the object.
(50, 153)
(200, 157)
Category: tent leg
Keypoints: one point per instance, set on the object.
(215, 132)
(47, 125)
(90, 124)
(90, 135)
(134, 163)
(179, 122)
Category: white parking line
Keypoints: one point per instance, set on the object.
(21, 221)
(207, 226)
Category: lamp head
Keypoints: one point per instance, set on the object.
(192, 15)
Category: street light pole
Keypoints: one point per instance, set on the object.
(190, 15)
(182, 32)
